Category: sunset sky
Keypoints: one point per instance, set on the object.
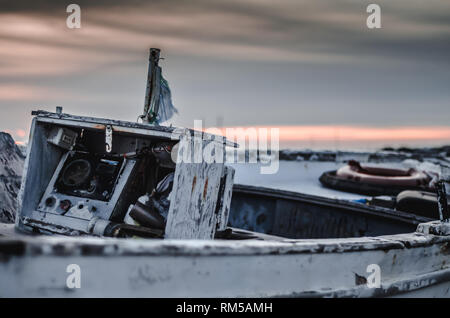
(310, 67)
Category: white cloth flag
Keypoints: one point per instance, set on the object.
(166, 108)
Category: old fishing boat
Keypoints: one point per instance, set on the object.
(112, 202)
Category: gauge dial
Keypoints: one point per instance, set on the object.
(76, 173)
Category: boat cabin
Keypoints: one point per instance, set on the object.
(96, 176)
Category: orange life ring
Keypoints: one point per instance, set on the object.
(383, 175)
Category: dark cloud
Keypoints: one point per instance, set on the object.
(46, 6)
(249, 62)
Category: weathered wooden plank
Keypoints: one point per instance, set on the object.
(194, 196)
(225, 200)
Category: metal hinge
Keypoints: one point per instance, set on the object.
(108, 138)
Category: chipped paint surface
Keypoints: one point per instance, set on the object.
(192, 212)
(225, 204)
(414, 262)
(44, 245)
(435, 228)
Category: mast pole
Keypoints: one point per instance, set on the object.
(151, 105)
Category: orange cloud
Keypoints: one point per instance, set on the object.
(20, 133)
(355, 133)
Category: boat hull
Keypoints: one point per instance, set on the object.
(413, 265)
(304, 216)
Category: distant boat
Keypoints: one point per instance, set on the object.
(376, 180)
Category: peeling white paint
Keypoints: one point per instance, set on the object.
(412, 262)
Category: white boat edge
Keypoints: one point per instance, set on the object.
(411, 265)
